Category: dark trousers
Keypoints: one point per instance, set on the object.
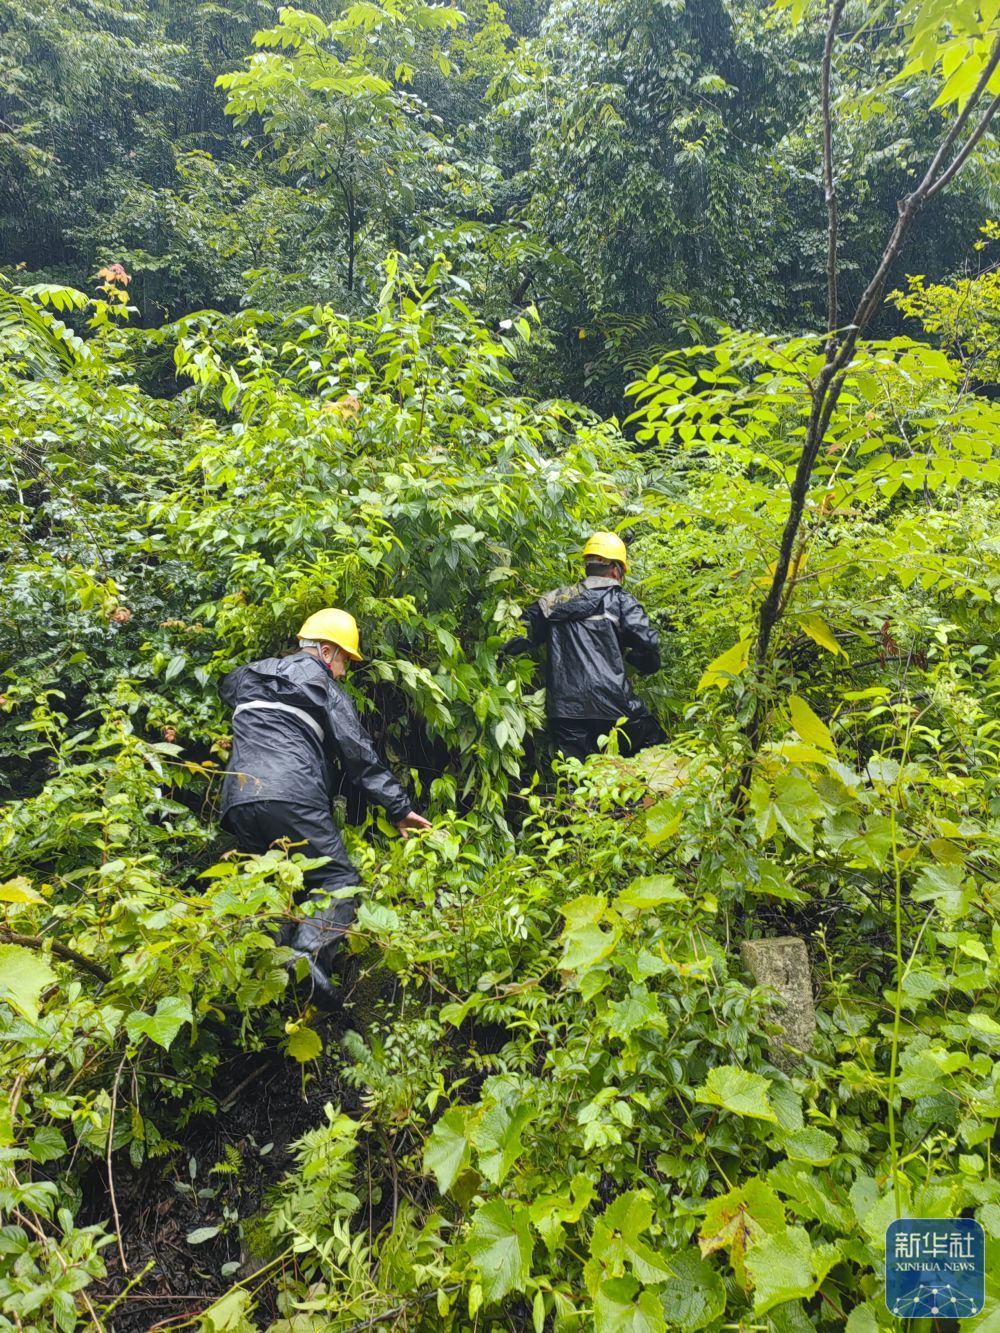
(259, 824)
(577, 736)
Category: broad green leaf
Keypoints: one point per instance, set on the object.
(447, 1149)
(640, 1010)
(228, 1314)
(662, 822)
(773, 882)
(174, 667)
(499, 1244)
(738, 1091)
(617, 1239)
(726, 666)
(621, 1307)
(811, 728)
(586, 947)
(740, 1219)
(945, 886)
(498, 1139)
(587, 910)
(19, 890)
(786, 1105)
(47, 1144)
(810, 1145)
(694, 1295)
(794, 805)
(862, 1319)
(550, 1212)
(651, 891)
(781, 1268)
(304, 1044)
(24, 975)
(163, 1025)
(819, 631)
(811, 1198)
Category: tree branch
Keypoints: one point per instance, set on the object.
(970, 143)
(829, 383)
(60, 950)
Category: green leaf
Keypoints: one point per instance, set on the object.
(727, 665)
(786, 1105)
(740, 1219)
(163, 1025)
(651, 891)
(24, 975)
(862, 1319)
(773, 882)
(498, 1139)
(944, 885)
(694, 1295)
(819, 631)
(47, 1144)
(811, 728)
(781, 1267)
(228, 1314)
(447, 1150)
(586, 910)
(810, 1145)
(811, 1197)
(738, 1091)
(174, 667)
(19, 890)
(304, 1044)
(550, 1212)
(587, 947)
(201, 1234)
(640, 1009)
(662, 822)
(617, 1238)
(499, 1244)
(620, 1307)
(794, 805)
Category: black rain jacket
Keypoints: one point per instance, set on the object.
(288, 750)
(591, 629)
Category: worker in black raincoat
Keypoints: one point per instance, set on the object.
(293, 726)
(591, 629)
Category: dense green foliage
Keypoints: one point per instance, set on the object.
(635, 169)
(560, 1100)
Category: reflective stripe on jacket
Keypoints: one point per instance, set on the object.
(290, 722)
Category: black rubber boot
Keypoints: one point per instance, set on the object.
(315, 988)
(317, 939)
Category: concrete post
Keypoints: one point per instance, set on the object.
(782, 964)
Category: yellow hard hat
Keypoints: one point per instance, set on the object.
(607, 546)
(334, 626)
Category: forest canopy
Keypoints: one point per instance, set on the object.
(389, 306)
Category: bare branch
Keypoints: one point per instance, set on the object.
(944, 152)
(970, 143)
(830, 381)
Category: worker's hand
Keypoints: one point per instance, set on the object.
(412, 823)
